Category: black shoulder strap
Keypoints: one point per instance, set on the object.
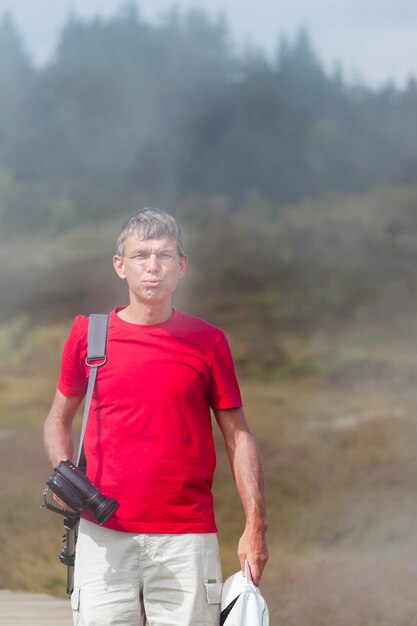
(96, 357)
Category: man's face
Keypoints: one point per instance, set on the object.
(151, 267)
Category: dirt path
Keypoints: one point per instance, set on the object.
(30, 609)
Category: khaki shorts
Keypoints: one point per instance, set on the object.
(127, 579)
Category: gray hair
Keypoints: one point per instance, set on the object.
(151, 224)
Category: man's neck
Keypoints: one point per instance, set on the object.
(140, 313)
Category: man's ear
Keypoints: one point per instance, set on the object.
(183, 265)
(119, 266)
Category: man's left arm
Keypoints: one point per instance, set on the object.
(247, 471)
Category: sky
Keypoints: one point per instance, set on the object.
(373, 41)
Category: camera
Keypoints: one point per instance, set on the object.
(73, 487)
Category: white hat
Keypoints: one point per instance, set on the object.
(242, 603)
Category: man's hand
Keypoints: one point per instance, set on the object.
(61, 503)
(252, 546)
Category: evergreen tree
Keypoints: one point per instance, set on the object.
(171, 109)
(16, 81)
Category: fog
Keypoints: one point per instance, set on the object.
(296, 188)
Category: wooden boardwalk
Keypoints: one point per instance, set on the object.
(33, 609)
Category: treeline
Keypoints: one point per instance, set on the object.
(126, 108)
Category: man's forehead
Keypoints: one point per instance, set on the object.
(137, 241)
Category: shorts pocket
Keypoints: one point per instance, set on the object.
(213, 592)
(75, 599)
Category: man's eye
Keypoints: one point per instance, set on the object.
(141, 256)
(165, 256)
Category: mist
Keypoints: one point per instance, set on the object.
(297, 192)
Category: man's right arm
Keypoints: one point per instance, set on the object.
(58, 428)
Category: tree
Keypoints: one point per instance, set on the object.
(16, 81)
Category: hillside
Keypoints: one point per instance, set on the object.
(318, 301)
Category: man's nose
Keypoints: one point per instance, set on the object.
(152, 263)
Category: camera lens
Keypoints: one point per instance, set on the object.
(102, 508)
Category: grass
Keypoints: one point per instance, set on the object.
(338, 443)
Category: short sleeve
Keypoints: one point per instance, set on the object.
(224, 387)
(72, 380)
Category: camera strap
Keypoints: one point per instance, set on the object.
(96, 357)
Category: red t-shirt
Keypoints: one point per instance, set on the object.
(148, 441)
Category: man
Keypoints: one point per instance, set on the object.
(149, 444)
